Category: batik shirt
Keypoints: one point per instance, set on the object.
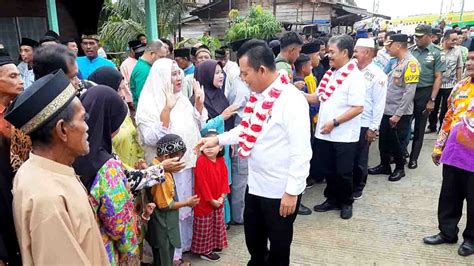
(458, 102)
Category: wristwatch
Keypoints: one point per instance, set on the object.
(433, 99)
(335, 123)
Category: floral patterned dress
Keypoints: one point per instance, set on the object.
(113, 202)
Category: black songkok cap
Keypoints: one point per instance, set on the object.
(275, 46)
(49, 36)
(310, 48)
(43, 100)
(471, 47)
(182, 52)
(133, 43)
(396, 38)
(235, 46)
(170, 144)
(5, 58)
(29, 42)
(290, 38)
(193, 51)
(220, 53)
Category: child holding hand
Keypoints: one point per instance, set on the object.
(163, 228)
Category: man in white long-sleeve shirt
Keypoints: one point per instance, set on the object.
(278, 154)
(375, 94)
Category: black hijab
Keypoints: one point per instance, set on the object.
(215, 100)
(107, 75)
(107, 112)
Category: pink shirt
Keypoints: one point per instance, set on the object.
(126, 69)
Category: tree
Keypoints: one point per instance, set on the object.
(123, 20)
(258, 23)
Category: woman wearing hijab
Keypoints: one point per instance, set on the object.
(106, 179)
(210, 75)
(125, 143)
(163, 109)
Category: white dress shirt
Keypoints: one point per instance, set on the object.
(350, 93)
(279, 161)
(376, 92)
(26, 74)
(236, 91)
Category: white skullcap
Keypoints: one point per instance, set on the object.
(365, 42)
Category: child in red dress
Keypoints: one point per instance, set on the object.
(211, 185)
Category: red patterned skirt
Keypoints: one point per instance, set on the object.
(209, 232)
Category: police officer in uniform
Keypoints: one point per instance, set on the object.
(395, 125)
(432, 65)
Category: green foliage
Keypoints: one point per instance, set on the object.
(211, 42)
(168, 15)
(123, 20)
(258, 23)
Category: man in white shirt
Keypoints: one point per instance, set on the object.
(274, 136)
(376, 92)
(27, 48)
(341, 93)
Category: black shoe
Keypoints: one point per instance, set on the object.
(357, 195)
(217, 251)
(397, 175)
(310, 182)
(346, 212)
(303, 210)
(413, 165)
(466, 248)
(438, 239)
(211, 257)
(380, 170)
(326, 206)
(430, 130)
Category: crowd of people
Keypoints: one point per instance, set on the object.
(142, 162)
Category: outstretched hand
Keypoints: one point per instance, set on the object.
(205, 143)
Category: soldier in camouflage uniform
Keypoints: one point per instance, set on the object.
(432, 65)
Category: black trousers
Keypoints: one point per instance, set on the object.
(335, 161)
(263, 223)
(458, 184)
(390, 140)
(441, 102)
(422, 97)
(313, 169)
(361, 161)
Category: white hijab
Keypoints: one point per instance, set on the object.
(182, 119)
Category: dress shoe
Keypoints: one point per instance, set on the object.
(380, 170)
(326, 206)
(413, 165)
(466, 248)
(346, 212)
(430, 130)
(396, 175)
(438, 239)
(303, 210)
(356, 195)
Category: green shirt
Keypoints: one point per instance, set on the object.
(431, 60)
(137, 79)
(282, 63)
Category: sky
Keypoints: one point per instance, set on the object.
(404, 8)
